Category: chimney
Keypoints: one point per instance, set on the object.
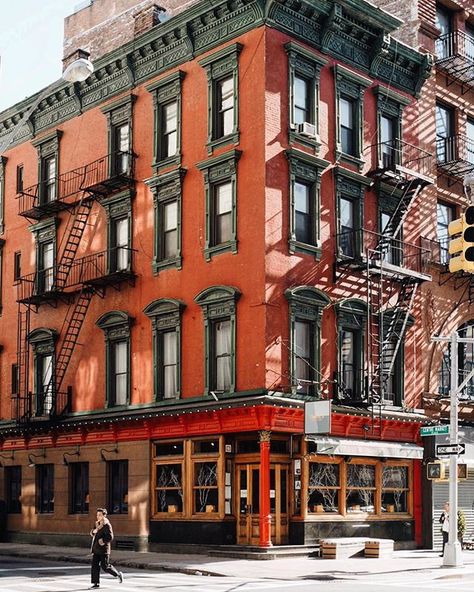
(75, 55)
(147, 18)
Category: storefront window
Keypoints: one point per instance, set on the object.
(169, 489)
(395, 489)
(324, 488)
(206, 492)
(360, 488)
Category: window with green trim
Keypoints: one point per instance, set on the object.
(118, 210)
(220, 179)
(223, 96)
(119, 125)
(305, 176)
(350, 191)
(304, 70)
(2, 244)
(167, 198)
(45, 238)
(48, 167)
(3, 162)
(43, 342)
(351, 323)
(167, 104)
(350, 89)
(394, 248)
(165, 316)
(116, 326)
(390, 107)
(306, 305)
(219, 310)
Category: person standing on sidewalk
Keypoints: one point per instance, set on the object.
(102, 536)
(444, 519)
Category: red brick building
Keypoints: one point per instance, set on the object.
(221, 223)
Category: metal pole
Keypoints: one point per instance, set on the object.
(453, 551)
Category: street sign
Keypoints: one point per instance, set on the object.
(434, 430)
(442, 449)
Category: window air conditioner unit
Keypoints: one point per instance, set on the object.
(307, 129)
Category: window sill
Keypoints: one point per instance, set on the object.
(350, 159)
(160, 165)
(315, 142)
(166, 264)
(222, 248)
(233, 138)
(307, 249)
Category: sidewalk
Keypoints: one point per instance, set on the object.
(403, 562)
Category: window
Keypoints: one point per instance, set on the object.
(219, 309)
(45, 238)
(167, 197)
(48, 154)
(189, 479)
(360, 492)
(3, 162)
(165, 315)
(306, 307)
(43, 344)
(13, 489)
(17, 266)
(119, 122)
(117, 486)
(167, 101)
(445, 42)
(305, 176)
(393, 249)
(390, 107)
(445, 139)
(395, 490)
(2, 244)
(79, 487)
(119, 237)
(223, 93)
(470, 42)
(347, 108)
(351, 318)
(116, 326)
(44, 488)
(324, 487)
(350, 192)
(470, 141)
(445, 214)
(220, 178)
(304, 74)
(14, 379)
(19, 178)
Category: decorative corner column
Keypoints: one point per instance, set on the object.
(265, 515)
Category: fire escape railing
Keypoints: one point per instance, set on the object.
(455, 154)
(102, 268)
(455, 56)
(400, 157)
(437, 251)
(112, 171)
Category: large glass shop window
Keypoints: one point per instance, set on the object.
(324, 487)
(360, 492)
(395, 489)
(169, 488)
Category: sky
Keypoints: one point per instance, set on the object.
(31, 39)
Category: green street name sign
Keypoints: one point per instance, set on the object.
(434, 430)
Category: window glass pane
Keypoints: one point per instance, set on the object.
(303, 224)
(205, 487)
(395, 477)
(226, 106)
(223, 345)
(121, 357)
(347, 238)
(170, 117)
(323, 483)
(121, 244)
(169, 364)
(117, 485)
(224, 198)
(205, 446)
(170, 216)
(302, 203)
(169, 491)
(470, 141)
(346, 113)
(347, 358)
(169, 448)
(301, 96)
(360, 475)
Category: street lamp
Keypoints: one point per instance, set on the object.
(77, 71)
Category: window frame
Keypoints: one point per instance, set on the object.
(217, 171)
(165, 315)
(218, 303)
(3, 163)
(116, 326)
(44, 480)
(350, 86)
(78, 487)
(448, 142)
(117, 472)
(352, 317)
(221, 65)
(43, 342)
(48, 148)
(166, 189)
(443, 238)
(118, 207)
(390, 105)
(44, 232)
(119, 113)
(13, 488)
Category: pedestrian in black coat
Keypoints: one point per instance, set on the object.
(102, 536)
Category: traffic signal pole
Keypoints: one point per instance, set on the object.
(453, 550)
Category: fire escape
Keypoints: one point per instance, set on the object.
(391, 268)
(72, 281)
(455, 57)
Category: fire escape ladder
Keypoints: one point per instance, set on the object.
(391, 335)
(21, 400)
(73, 322)
(81, 216)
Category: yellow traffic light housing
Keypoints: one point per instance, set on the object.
(461, 246)
(462, 472)
(435, 470)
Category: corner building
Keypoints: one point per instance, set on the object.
(209, 231)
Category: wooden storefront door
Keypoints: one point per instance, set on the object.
(248, 496)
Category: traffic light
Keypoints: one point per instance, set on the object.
(435, 470)
(462, 471)
(461, 246)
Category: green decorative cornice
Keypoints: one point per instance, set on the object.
(347, 30)
(344, 173)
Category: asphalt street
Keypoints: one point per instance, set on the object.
(30, 575)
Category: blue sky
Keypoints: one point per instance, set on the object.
(31, 38)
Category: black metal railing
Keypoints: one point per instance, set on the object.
(109, 266)
(399, 156)
(436, 251)
(455, 154)
(362, 245)
(111, 172)
(45, 405)
(456, 44)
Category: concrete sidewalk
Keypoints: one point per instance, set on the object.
(403, 562)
